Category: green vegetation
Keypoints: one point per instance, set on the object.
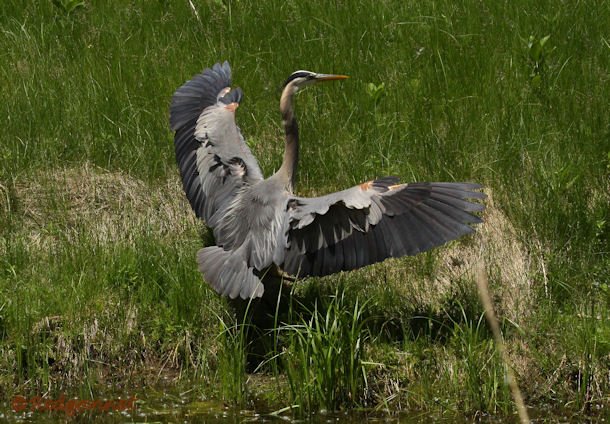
(98, 279)
(324, 358)
(233, 360)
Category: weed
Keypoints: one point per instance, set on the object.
(538, 52)
(376, 92)
(481, 376)
(232, 361)
(324, 357)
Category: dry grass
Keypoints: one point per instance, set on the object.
(507, 262)
(98, 349)
(102, 206)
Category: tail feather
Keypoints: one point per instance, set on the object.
(228, 273)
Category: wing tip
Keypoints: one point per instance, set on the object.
(197, 93)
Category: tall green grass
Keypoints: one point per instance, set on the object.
(232, 361)
(482, 373)
(97, 269)
(325, 356)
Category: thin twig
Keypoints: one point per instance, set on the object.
(481, 279)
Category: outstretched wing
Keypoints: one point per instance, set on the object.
(374, 221)
(214, 160)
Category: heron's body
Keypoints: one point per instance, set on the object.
(260, 224)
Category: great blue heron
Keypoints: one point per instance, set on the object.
(260, 226)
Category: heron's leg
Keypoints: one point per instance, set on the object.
(262, 316)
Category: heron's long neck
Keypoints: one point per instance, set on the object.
(288, 170)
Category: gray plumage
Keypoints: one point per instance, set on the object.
(260, 225)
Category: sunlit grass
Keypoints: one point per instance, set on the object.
(324, 358)
(232, 360)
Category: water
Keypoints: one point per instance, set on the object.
(152, 406)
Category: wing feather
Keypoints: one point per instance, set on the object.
(214, 161)
(374, 221)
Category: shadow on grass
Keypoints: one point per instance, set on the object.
(283, 305)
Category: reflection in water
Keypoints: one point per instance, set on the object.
(152, 406)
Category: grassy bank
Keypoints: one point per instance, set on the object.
(98, 280)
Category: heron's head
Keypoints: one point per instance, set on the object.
(301, 79)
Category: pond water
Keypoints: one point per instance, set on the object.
(149, 406)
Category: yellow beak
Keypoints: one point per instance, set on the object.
(330, 77)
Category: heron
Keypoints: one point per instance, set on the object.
(261, 226)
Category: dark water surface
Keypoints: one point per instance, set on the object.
(149, 406)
